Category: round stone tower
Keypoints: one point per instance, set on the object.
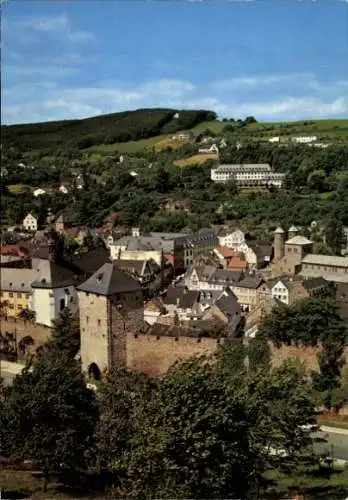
(279, 242)
(293, 231)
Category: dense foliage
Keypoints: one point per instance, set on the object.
(206, 429)
(312, 322)
(105, 129)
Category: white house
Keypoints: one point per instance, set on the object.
(212, 150)
(63, 189)
(274, 139)
(223, 143)
(30, 222)
(38, 192)
(280, 290)
(233, 240)
(53, 290)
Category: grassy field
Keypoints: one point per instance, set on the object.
(195, 160)
(334, 130)
(127, 147)
(340, 424)
(314, 486)
(17, 188)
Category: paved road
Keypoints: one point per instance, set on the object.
(337, 444)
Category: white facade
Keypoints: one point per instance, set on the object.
(30, 223)
(63, 189)
(212, 150)
(280, 292)
(233, 240)
(248, 175)
(274, 139)
(49, 303)
(38, 192)
(304, 139)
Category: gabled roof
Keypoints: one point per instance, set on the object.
(89, 262)
(228, 304)
(52, 275)
(250, 282)
(109, 280)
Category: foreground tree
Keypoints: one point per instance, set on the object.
(66, 333)
(120, 395)
(48, 415)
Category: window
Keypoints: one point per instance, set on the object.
(61, 304)
(11, 306)
(10, 295)
(99, 322)
(87, 319)
(19, 295)
(27, 296)
(1, 294)
(19, 307)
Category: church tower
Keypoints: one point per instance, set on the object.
(279, 243)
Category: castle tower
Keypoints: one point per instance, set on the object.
(50, 235)
(111, 309)
(59, 225)
(279, 243)
(293, 231)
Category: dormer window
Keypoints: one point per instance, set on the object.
(100, 277)
(22, 285)
(11, 284)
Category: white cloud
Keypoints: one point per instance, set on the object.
(54, 25)
(49, 100)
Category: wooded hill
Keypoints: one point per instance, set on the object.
(104, 129)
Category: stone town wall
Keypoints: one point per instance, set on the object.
(39, 333)
(146, 353)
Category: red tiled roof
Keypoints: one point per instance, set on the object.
(237, 263)
(12, 250)
(227, 253)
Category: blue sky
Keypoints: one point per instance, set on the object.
(273, 59)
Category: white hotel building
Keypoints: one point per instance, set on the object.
(248, 175)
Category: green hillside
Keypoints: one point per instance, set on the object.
(101, 130)
(133, 131)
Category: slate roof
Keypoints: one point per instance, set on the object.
(173, 294)
(325, 260)
(109, 280)
(89, 262)
(313, 283)
(227, 276)
(228, 304)
(49, 274)
(17, 280)
(188, 299)
(250, 282)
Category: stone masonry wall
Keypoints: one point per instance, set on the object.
(147, 354)
(39, 333)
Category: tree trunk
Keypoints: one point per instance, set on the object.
(46, 479)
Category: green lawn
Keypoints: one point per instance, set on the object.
(16, 188)
(314, 486)
(127, 147)
(340, 424)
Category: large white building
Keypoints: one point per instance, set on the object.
(248, 175)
